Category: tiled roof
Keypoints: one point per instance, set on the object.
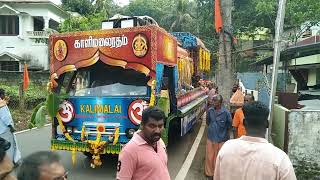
(11, 55)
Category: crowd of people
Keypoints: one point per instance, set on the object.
(248, 155)
(244, 154)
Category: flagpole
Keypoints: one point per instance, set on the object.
(276, 58)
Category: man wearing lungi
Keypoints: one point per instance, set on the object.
(219, 123)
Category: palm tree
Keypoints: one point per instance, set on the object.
(179, 16)
(103, 6)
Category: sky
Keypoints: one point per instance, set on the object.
(119, 2)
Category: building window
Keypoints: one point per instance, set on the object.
(9, 66)
(9, 25)
(38, 24)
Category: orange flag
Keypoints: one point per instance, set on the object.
(217, 16)
(25, 78)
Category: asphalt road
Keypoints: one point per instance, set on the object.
(39, 139)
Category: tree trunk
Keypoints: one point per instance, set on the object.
(225, 65)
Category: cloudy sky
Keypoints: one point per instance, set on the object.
(119, 2)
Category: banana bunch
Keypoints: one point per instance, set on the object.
(204, 60)
(200, 59)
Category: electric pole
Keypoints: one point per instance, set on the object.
(276, 58)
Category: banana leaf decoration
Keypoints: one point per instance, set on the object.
(53, 102)
(164, 104)
(50, 107)
(33, 123)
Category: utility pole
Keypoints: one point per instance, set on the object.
(225, 70)
(276, 58)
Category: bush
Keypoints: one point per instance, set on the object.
(35, 94)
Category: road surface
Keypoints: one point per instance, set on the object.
(39, 139)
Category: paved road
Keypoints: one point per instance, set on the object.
(39, 139)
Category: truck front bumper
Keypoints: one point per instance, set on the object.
(83, 146)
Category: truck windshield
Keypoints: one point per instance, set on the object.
(104, 80)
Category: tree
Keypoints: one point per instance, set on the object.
(82, 23)
(250, 14)
(92, 14)
(180, 16)
(153, 8)
(103, 7)
(246, 18)
(225, 66)
(83, 7)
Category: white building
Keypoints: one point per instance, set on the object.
(25, 26)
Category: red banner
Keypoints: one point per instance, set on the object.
(138, 48)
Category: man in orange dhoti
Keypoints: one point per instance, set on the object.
(219, 123)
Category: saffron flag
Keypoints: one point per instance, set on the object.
(217, 16)
(25, 78)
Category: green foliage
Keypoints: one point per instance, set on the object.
(34, 95)
(87, 7)
(33, 116)
(153, 8)
(194, 16)
(40, 118)
(164, 104)
(82, 7)
(92, 14)
(52, 104)
(82, 23)
(246, 18)
(180, 17)
(249, 14)
(50, 107)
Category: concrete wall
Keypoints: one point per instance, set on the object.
(314, 59)
(304, 142)
(41, 10)
(279, 129)
(26, 49)
(297, 132)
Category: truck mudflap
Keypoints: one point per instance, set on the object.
(83, 146)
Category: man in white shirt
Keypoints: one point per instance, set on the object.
(251, 156)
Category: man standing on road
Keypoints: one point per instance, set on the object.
(43, 165)
(212, 92)
(144, 157)
(7, 129)
(238, 127)
(219, 124)
(251, 156)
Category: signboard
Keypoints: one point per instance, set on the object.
(138, 48)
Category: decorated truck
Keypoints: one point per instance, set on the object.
(108, 77)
